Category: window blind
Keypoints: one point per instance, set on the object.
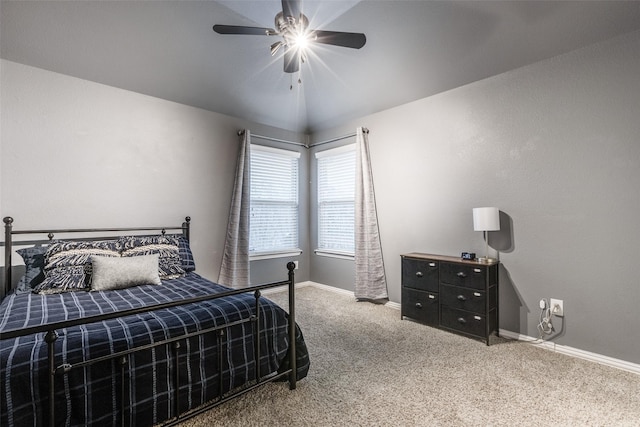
(274, 200)
(336, 199)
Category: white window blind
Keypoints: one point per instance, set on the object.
(274, 200)
(336, 200)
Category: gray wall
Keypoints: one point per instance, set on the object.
(80, 154)
(555, 146)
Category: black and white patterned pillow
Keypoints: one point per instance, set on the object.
(186, 256)
(34, 268)
(65, 264)
(169, 264)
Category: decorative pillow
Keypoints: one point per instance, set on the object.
(186, 256)
(34, 267)
(76, 253)
(169, 264)
(64, 279)
(65, 264)
(119, 273)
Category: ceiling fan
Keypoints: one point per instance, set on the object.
(293, 26)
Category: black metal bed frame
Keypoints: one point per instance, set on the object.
(121, 357)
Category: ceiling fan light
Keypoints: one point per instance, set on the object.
(296, 37)
(301, 41)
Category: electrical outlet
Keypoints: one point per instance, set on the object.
(557, 307)
(296, 263)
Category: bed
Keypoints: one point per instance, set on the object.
(115, 343)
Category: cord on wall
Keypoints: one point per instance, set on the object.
(545, 327)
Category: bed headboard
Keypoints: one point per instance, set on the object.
(87, 233)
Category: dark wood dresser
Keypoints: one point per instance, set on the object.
(451, 293)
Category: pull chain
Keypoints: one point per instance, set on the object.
(291, 84)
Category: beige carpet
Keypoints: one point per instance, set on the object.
(369, 368)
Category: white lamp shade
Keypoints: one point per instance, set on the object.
(486, 219)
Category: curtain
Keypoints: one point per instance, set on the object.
(371, 283)
(234, 270)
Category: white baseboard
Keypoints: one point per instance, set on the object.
(547, 345)
(391, 304)
(574, 352)
(331, 289)
(284, 288)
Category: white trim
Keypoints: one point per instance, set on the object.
(547, 345)
(332, 289)
(345, 292)
(284, 288)
(394, 305)
(335, 254)
(274, 254)
(574, 352)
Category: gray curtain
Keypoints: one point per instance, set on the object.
(371, 283)
(234, 271)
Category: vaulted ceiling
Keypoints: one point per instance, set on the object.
(414, 49)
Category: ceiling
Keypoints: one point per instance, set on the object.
(414, 49)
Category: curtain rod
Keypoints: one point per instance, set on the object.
(339, 138)
(268, 138)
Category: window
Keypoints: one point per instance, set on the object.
(274, 201)
(336, 201)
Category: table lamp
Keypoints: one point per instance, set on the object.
(486, 219)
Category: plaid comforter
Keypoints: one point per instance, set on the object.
(91, 395)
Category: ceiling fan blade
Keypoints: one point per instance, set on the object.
(291, 60)
(338, 38)
(239, 29)
(291, 8)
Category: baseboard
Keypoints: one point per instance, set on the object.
(391, 304)
(331, 289)
(547, 345)
(284, 288)
(574, 352)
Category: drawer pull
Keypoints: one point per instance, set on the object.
(477, 294)
(418, 305)
(419, 274)
(462, 320)
(432, 264)
(432, 296)
(477, 318)
(461, 274)
(461, 298)
(477, 270)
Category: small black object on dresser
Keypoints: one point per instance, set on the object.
(451, 293)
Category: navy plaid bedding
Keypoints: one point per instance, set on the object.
(91, 395)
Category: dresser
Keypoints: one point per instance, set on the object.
(451, 293)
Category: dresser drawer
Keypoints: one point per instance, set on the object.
(469, 276)
(463, 321)
(463, 298)
(420, 274)
(421, 306)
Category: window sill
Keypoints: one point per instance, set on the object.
(335, 254)
(275, 254)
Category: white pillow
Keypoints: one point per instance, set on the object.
(119, 273)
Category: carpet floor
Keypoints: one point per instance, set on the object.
(369, 368)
